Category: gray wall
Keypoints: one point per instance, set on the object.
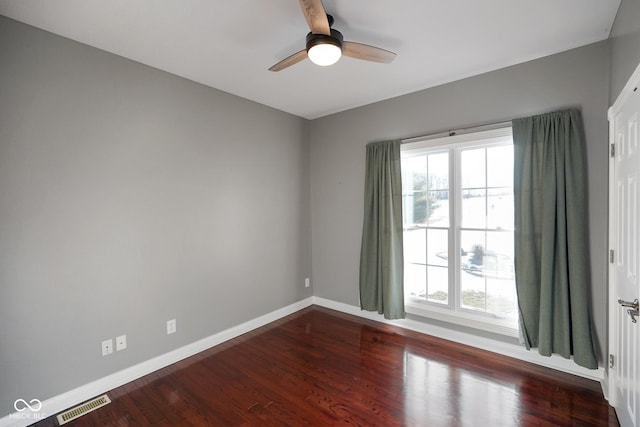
(128, 197)
(577, 78)
(624, 44)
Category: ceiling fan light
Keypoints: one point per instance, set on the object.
(324, 54)
(324, 49)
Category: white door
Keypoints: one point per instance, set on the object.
(624, 273)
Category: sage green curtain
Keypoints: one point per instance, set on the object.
(381, 258)
(551, 235)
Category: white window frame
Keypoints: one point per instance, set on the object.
(453, 313)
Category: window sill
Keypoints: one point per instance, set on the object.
(468, 320)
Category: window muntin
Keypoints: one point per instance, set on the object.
(458, 199)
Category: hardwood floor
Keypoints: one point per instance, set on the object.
(319, 367)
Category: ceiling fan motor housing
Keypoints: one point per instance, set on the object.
(335, 39)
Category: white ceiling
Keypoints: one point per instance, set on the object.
(230, 45)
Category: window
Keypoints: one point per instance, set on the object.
(458, 229)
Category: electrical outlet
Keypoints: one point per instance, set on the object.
(107, 347)
(171, 326)
(121, 342)
(307, 282)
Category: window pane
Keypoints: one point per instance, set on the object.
(415, 171)
(405, 172)
(407, 209)
(500, 208)
(500, 166)
(473, 168)
(474, 208)
(423, 206)
(472, 248)
(415, 245)
(438, 284)
(438, 247)
(499, 255)
(415, 281)
(438, 209)
(501, 298)
(438, 171)
(472, 281)
(472, 290)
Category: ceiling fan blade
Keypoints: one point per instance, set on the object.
(316, 17)
(289, 61)
(366, 52)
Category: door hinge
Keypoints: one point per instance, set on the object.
(612, 360)
(611, 256)
(613, 150)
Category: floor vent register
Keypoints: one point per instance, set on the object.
(85, 408)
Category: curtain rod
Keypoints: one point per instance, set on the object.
(452, 132)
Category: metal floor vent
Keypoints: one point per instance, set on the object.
(85, 408)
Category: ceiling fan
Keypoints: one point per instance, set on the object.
(325, 45)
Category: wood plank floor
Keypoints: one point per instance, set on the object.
(319, 367)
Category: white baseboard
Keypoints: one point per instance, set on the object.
(517, 352)
(605, 386)
(78, 395)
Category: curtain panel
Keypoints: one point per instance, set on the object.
(381, 257)
(551, 235)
